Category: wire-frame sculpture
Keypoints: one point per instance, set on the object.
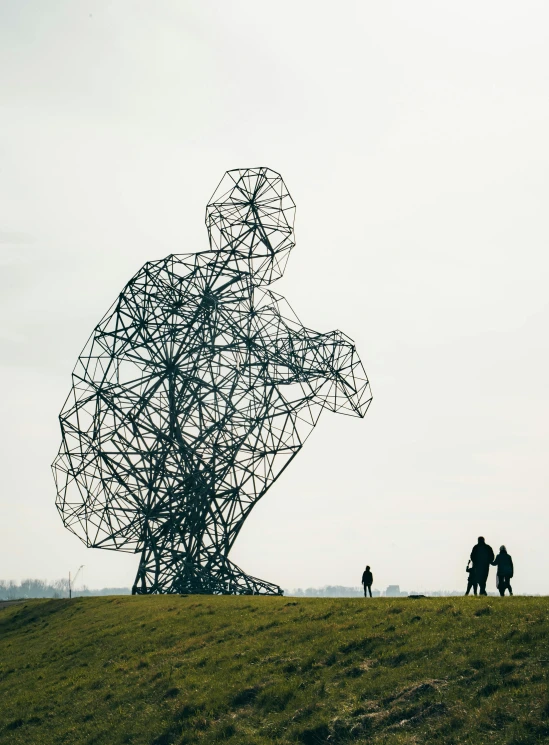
(194, 393)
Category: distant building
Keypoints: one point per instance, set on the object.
(393, 591)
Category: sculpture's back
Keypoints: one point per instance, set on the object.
(194, 393)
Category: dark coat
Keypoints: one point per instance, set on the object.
(482, 556)
(367, 578)
(504, 563)
(472, 575)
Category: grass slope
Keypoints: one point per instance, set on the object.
(170, 669)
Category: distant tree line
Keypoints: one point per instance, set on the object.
(329, 591)
(59, 588)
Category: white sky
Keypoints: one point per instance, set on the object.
(413, 139)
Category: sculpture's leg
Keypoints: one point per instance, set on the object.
(167, 569)
(236, 582)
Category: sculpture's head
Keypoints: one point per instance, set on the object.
(250, 217)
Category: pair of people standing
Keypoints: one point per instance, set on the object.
(482, 557)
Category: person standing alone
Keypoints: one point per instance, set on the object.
(482, 556)
(504, 563)
(367, 580)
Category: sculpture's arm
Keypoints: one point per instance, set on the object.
(331, 363)
(326, 364)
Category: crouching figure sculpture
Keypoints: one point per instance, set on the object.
(194, 393)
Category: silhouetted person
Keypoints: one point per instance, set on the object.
(472, 583)
(367, 579)
(504, 563)
(482, 556)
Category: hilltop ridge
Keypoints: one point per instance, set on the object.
(157, 670)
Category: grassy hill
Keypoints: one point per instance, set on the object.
(251, 670)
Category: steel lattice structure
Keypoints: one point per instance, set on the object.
(194, 393)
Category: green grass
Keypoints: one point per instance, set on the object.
(170, 669)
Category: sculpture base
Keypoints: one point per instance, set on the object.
(189, 579)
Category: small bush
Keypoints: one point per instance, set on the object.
(314, 735)
(246, 696)
(483, 611)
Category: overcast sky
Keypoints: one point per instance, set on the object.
(413, 138)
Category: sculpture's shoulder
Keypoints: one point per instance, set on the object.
(165, 290)
(174, 281)
(172, 267)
